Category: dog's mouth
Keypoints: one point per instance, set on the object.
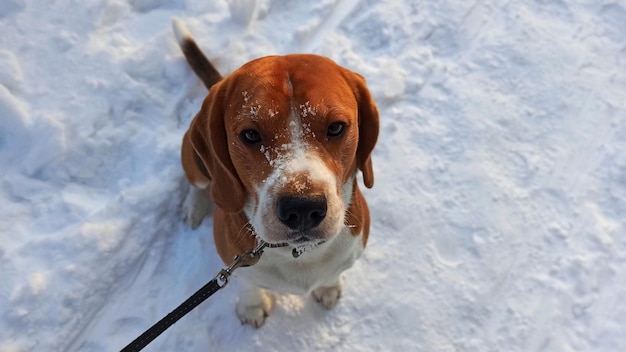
(302, 239)
(298, 240)
(300, 243)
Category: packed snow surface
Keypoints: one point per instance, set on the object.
(498, 211)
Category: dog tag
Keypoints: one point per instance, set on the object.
(298, 251)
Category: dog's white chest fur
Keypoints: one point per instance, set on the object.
(278, 270)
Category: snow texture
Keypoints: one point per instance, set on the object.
(498, 209)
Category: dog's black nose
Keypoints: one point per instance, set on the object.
(301, 213)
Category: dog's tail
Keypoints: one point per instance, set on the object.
(196, 59)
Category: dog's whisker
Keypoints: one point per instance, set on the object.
(244, 232)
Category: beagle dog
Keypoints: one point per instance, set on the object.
(276, 146)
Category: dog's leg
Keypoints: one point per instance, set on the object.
(254, 306)
(328, 294)
(196, 206)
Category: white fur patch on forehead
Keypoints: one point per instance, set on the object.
(299, 127)
(296, 131)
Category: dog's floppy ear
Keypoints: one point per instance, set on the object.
(209, 139)
(368, 128)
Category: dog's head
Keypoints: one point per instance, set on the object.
(282, 139)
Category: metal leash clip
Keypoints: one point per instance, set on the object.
(248, 258)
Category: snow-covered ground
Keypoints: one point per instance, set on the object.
(500, 198)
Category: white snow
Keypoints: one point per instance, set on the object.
(497, 213)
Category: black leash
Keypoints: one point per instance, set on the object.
(220, 280)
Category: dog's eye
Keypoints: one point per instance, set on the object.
(250, 137)
(336, 129)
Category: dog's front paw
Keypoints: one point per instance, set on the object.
(254, 316)
(196, 206)
(327, 296)
(254, 306)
